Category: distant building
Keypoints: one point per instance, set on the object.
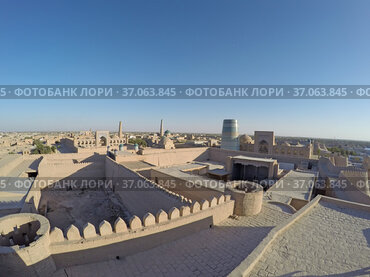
(230, 135)
(166, 143)
(161, 132)
(120, 130)
(264, 143)
(101, 140)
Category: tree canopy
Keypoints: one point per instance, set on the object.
(42, 148)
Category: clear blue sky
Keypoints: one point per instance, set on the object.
(187, 42)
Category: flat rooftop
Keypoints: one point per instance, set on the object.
(211, 164)
(123, 153)
(12, 196)
(215, 168)
(178, 172)
(295, 184)
(331, 239)
(16, 183)
(23, 167)
(136, 165)
(28, 165)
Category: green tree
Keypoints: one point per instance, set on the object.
(42, 148)
(139, 141)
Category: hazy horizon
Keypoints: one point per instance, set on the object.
(113, 127)
(187, 43)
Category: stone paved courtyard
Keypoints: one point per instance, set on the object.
(212, 252)
(330, 240)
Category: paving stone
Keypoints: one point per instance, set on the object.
(227, 243)
(310, 246)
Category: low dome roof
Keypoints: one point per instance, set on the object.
(245, 139)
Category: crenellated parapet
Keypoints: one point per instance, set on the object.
(29, 235)
(164, 225)
(161, 218)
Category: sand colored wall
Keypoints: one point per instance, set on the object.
(220, 155)
(70, 144)
(78, 246)
(31, 260)
(328, 169)
(183, 187)
(14, 161)
(359, 179)
(89, 245)
(340, 161)
(72, 165)
(87, 170)
(298, 203)
(60, 166)
(6, 168)
(246, 204)
(32, 201)
(356, 186)
(139, 194)
(163, 157)
(293, 151)
(100, 150)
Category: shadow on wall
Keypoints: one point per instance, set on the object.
(35, 164)
(85, 189)
(91, 167)
(94, 158)
(367, 235)
(22, 235)
(187, 188)
(129, 247)
(203, 156)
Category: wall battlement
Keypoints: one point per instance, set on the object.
(150, 223)
(77, 246)
(74, 246)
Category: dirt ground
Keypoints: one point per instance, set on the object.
(79, 207)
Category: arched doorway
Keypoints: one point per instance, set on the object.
(263, 147)
(103, 141)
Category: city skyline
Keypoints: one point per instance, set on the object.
(197, 122)
(260, 44)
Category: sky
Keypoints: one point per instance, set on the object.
(192, 42)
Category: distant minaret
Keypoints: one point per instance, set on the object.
(161, 133)
(230, 135)
(120, 130)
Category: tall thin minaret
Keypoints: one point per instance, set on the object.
(120, 130)
(161, 133)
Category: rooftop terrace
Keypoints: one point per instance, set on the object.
(212, 252)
